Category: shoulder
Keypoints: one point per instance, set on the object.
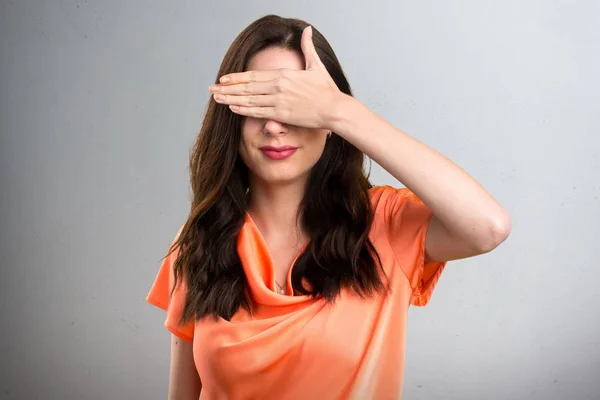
(399, 209)
(385, 196)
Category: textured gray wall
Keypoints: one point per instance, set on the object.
(100, 102)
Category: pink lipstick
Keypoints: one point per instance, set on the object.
(278, 153)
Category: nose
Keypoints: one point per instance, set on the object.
(275, 128)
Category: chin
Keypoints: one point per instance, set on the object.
(282, 177)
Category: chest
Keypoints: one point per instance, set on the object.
(283, 254)
(300, 344)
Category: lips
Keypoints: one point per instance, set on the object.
(278, 153)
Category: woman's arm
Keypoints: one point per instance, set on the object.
(467, 221)
(184, 382)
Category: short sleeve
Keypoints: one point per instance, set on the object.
(160, 296)
(406, 223)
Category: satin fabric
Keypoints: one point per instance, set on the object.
(295, 347)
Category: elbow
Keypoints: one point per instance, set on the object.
(497, 231)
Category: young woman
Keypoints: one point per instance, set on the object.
(292, 276)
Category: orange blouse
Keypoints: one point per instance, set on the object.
(295, 347)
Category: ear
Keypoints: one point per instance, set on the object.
(308, 49)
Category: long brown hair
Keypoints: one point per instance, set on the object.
(336, 209)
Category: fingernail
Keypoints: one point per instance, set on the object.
(214, 88)
(224, 79)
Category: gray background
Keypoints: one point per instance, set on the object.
(101, 102)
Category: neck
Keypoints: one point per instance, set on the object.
(275, 208)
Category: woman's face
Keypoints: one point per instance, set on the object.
(276, 153)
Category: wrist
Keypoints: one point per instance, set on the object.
(339, 112)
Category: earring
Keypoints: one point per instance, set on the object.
(328, 134)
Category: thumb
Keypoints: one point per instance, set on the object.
(308, 49)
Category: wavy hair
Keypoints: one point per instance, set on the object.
(336, 209)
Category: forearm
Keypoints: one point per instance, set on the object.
(461, 204)
(184, 382)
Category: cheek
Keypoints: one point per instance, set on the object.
(252, 136)
(317, 142)
(247, 156)
(249, 125)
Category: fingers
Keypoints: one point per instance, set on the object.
(252, 94)
(254, 112)
(248, 76)
(247, 101)
(263, 87)
(308, 49)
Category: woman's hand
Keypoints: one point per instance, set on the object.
(297, 97)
